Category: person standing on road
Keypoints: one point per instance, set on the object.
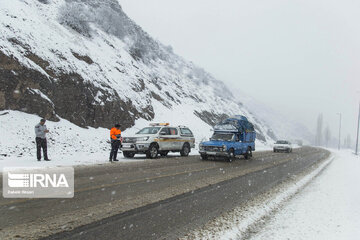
(40, 132)
(115, 137)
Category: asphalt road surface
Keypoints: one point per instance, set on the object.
(153, 199)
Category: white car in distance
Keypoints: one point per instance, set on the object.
(283, 146)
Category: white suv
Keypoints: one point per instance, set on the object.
(159, 139)
(282, 146)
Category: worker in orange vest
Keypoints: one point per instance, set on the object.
(115, 137)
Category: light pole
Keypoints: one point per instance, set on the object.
(339, 131)
(357, 133)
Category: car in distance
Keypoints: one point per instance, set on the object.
(282, 146)
(159, 138)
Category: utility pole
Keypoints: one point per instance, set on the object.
(357, 134)
(339, 131)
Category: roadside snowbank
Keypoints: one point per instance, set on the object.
(328, 208)
(322, 203)
(244, 220)
(68, 144)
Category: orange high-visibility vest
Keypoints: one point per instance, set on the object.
(114, 132)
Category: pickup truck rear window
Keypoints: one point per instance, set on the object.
(222, 137)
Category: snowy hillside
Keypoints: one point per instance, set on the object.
(87, 64)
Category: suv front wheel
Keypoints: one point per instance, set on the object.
(185, 150)
(152, 152)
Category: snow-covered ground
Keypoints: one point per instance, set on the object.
(322, 203)
(69, 144)
(328, 208)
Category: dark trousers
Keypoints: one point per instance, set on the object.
(41, 143)
(115, 144)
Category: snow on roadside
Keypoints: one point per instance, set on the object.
(328, 208)
(70, 145)
(244, 220)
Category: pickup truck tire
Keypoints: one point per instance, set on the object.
(153, 151)
(248, 153)
(185, 150)
(164, 153)
(204, 156)
(128, 154)
(231, 156)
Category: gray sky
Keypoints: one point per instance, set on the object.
(301, 57)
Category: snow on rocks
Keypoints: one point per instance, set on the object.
(32, 33)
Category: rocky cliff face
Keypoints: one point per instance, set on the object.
(87, 62)
(65, 95)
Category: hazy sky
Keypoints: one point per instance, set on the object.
(299, 57)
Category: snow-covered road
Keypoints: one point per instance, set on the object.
(328, 208)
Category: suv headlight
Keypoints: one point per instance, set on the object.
(142, 139)
(201, 146)
(224, 148)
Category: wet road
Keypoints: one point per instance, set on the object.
(152, 199)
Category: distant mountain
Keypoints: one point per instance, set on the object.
(87, 62)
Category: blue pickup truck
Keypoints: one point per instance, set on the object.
(233, 136)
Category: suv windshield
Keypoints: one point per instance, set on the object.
(222, 137)
(282, 142)
(149, 130)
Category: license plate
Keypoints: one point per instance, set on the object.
(211, 153)
(126, 145)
